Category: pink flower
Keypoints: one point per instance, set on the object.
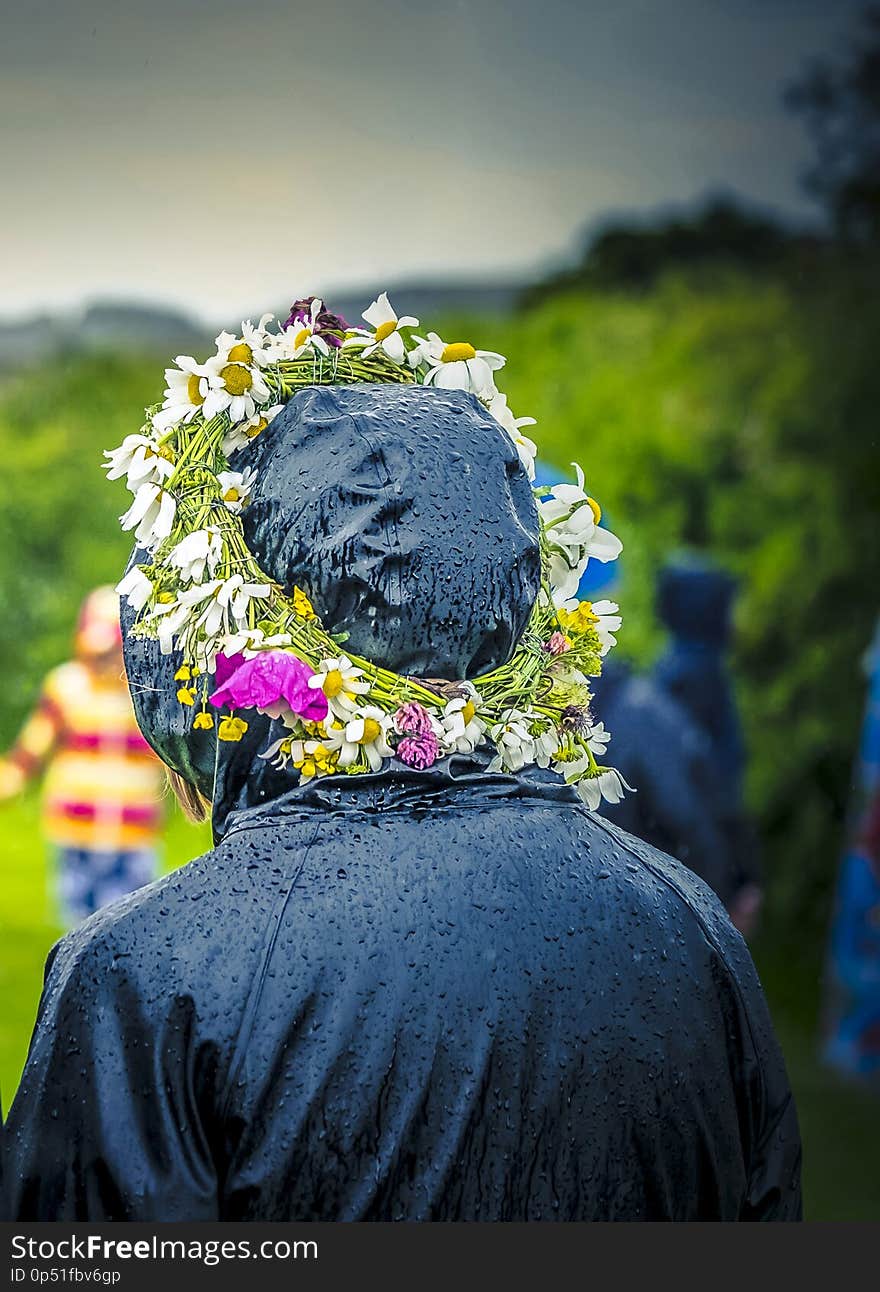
(412, 719)
(274, 681)
(557, 644)
(225, 666)
(420, 750)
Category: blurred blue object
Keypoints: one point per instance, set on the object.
(677, 737)
(852, 1023)
(598, 577)
(695, 603)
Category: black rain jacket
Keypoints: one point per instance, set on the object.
(439, 995)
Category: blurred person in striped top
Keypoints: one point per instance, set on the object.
(102, 784)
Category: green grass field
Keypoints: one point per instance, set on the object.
(840, 1123)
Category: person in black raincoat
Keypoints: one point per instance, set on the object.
(445, 994)
(677, 737)
(659, 749)
(695, 601)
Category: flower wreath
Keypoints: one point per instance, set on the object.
(246, 644)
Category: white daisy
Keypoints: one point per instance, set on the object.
(235, 487)
(242, 434)
(546, 739)
(342, 682)
(200, 550)
(367, 731)
(151, 515)
(527, 449)
(608, 785)
(170, 618)
(279, 753)
(570, 518)
(135, 587)
(227, 610)
(461, 727)
(235, 388)
(608, 623)
(251, 641)
(386, 335)
(598, 739)
(138, 459)
(514, 742)
(296, 340)
(253, 347)
(186, 388)
(457, 366)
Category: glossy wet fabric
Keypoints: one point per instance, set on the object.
(455, 996)
(438, 995)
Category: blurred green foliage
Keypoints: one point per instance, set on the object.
(733, 411)
(59, 532)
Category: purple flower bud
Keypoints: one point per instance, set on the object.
(576, 717)
(419, 751)
(300, 311)
(412, 719)
(327, 325)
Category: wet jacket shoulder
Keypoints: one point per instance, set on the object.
(414, 1015)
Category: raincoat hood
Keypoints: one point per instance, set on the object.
(406, 516)
(695, 601)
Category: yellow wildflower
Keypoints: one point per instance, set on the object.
(579, 620)
(232, 728)
(302, 606)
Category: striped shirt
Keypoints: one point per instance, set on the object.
(103, 783)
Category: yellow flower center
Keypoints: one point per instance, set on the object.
(333, 683)
(301, 338)
(236, 378)
(372, 731)
(595, 509)
(193, 389)
(468, 711)
(241, 353)
(385, 329)
(253, 431)
(166, 598)
(457, 350)
(231, 495)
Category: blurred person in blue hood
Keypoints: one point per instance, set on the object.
(677, 739)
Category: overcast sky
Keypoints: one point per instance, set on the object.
(224, 155)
